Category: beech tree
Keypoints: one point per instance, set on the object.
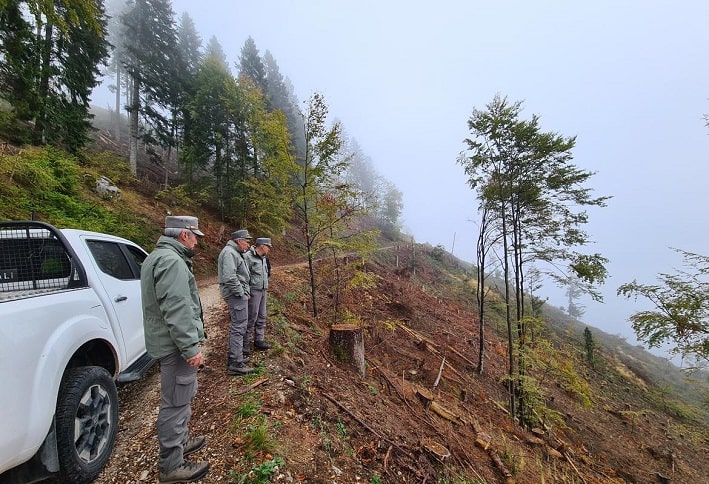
(325, 204)
(681, 314)
(527, 184)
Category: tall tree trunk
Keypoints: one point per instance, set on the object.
(43, 92)
(508, 315)
(134, 133)
(117, 120)
(480, 291)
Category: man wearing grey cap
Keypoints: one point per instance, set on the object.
(174, 332)
(233, 276)
(258, 269)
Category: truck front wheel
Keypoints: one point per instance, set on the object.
(86, 422)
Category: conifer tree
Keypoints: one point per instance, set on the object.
(153, 63)
(215, 50)
(251, 65)
(280, 96)
(51, 52)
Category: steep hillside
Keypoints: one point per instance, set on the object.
(420, 413)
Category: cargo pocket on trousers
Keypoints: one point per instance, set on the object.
(185, 388)
(241, 303)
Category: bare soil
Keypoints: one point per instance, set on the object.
(328, 424)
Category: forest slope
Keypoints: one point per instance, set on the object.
(421, 413)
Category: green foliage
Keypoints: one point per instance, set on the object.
(362, 280)
(390, 324)
(257, 439)
(13, 130)
(590, 346)
(248, 408)
(681, 315)
(180, 196)
(46, 182)
(438, 253)
(51, 52)
(108, 164)
(261, 474)
(511, 457)
(529, 194)
(341, 429)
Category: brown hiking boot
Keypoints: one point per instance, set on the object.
(193, 445)
(189, 471)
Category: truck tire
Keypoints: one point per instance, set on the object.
(86, 422)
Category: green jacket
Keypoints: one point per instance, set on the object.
(172, 312)
(232, 272)
(258, 269)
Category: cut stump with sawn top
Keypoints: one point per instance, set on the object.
(347, 344)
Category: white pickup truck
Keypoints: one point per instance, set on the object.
(71, 326)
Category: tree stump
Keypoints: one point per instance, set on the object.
(347, 343)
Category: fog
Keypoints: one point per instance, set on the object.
(629, 79)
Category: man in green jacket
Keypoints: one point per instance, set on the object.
(233, 276)
(174, 332)
(256, 259)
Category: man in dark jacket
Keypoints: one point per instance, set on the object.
(233, 276)
(174, 332)
(256, 259)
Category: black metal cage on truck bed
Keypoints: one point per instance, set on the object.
(35, 258)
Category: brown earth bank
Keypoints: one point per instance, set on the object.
(420, 414)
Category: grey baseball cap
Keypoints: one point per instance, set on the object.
(183, 222)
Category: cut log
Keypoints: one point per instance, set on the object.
(438, 450)
(347, 343)
(444, 412)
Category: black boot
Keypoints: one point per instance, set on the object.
(261, 346)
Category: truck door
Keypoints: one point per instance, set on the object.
(118, 269)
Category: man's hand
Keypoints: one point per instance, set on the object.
(196, 360)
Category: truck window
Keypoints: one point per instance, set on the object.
(137, 255)
(110, 259)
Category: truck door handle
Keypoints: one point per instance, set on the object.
(121, 298)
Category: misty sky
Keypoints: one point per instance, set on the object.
(629, 79)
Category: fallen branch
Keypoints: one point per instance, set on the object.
(363, 424)
(324, 355)
(500, 465)
(474, 365)
(566, 454)
(303, 329)
(418, 336)
(440, 371)
(248, 388)
(457, 373)
(500, 406)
